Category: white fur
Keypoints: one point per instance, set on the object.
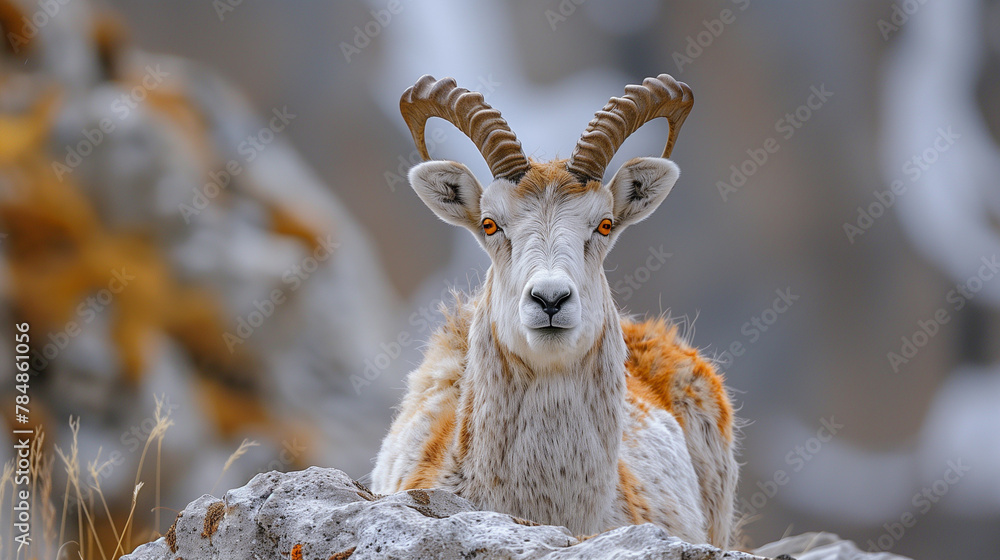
(546, 410)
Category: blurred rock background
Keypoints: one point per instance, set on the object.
(856, 96)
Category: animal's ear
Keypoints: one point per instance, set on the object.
(450, 190)
(640, 186)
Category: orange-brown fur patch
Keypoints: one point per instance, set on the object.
(432, 458)
(543, 175)
(666, 372)
(634, 505)
(448, 343)
(640, 395)
(456, 325)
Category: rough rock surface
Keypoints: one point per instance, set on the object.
(322, 513)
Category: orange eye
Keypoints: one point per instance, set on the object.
(605, 227)
(489, 226)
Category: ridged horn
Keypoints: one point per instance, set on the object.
(661, 96)
(470, 113)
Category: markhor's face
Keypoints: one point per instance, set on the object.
(547, 243)
(548, 235)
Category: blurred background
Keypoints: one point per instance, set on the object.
(206, 204)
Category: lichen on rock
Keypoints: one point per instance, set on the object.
(323, 513)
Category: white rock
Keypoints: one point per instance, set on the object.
(322, 513)
(327, 513)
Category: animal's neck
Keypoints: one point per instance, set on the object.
(542, 445)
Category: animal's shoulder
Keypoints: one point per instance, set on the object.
(665, 371)
(421, 432)
(447, 350)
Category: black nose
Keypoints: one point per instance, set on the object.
(550, 303)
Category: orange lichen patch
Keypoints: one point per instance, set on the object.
(195, 319)
(297, 552)
(552, 174)
(666, 372)
(110, 38)
(343, 555)
(12, 24)
(231, 406)
(65, 269)
(171, 536)
(435, 448)
(419, 496)
(287, 222)
(364, 492)
(62, 257)
(23, 135)
(47, 220)
(216, 512)
(184, 115)
(633, 504)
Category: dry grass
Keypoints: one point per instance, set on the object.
(85, 526)
(240, 451)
